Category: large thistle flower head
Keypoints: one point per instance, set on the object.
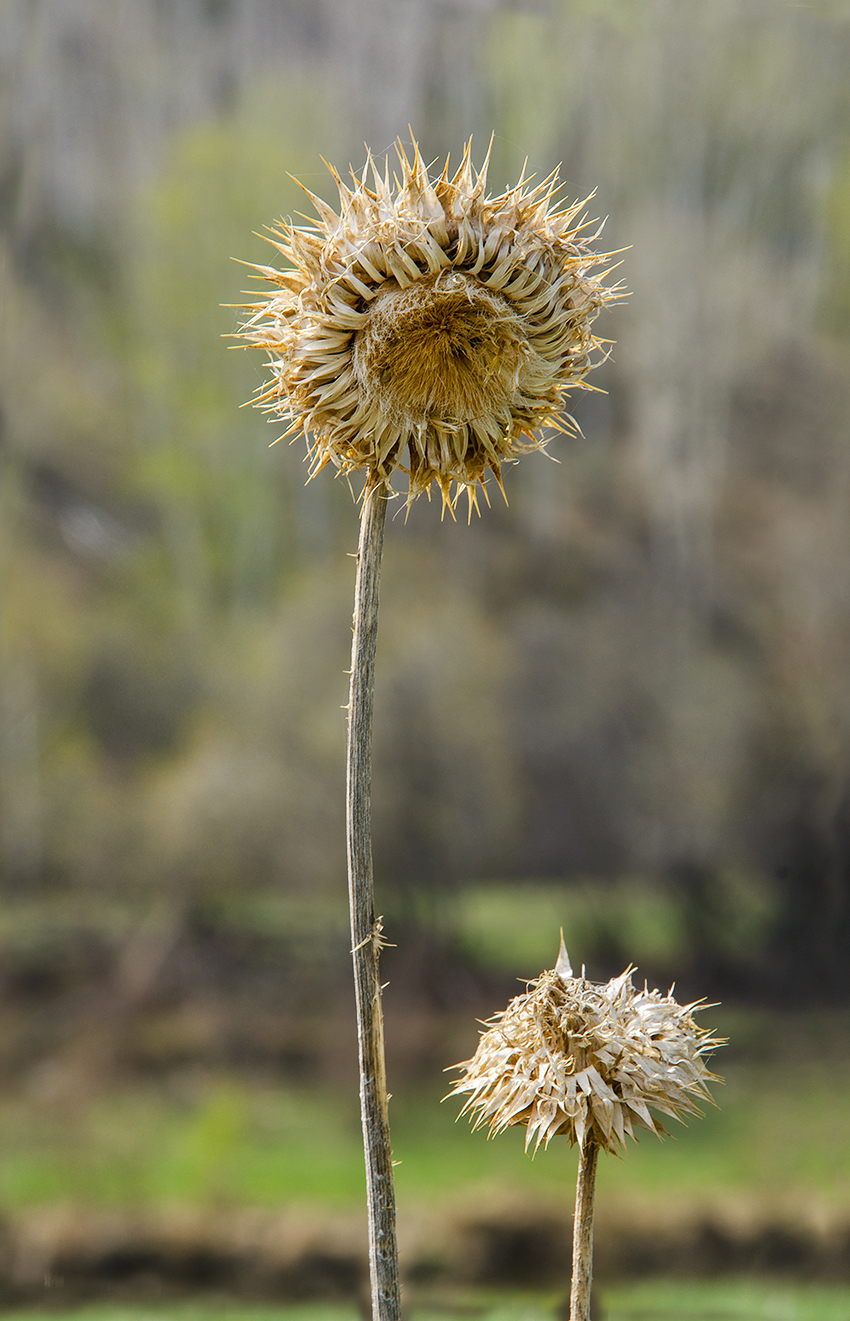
(427, 326)
(588, 1061)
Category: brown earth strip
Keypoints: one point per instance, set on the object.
(63, 1256)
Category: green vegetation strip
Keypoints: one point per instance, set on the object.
(225, 1139)
(653, 1300)
(742, 1300)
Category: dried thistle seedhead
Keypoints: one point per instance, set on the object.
(587, 1061)
(427, 327)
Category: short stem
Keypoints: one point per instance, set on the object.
(583, 1233)
(365, 928)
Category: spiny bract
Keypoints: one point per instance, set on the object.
(587, 1061)
(427, 326)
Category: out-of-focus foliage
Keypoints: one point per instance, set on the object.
(637, 669)
(836, 292)
(232, 513)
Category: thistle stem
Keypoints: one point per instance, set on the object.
(365, 928)
(583, 1233)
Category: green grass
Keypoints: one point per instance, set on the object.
(743, 1300)
(224, 1141)
(778, 1133)
(654, 1300)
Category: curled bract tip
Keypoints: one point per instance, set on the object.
(563, 967)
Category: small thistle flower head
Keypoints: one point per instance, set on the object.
(587, 1061)
(428, 327)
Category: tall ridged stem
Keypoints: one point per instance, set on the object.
(583, 1233)
(365, 927)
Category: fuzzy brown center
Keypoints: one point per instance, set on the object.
(444, 349)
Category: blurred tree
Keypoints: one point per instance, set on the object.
(639, 666)
(234, 515)
(835, 288)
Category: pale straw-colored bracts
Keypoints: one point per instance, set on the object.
(427, 326)
(588, 1061)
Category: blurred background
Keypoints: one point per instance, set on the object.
(618, 704)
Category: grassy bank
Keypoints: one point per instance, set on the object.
(742, 1300)
(207, 1137)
